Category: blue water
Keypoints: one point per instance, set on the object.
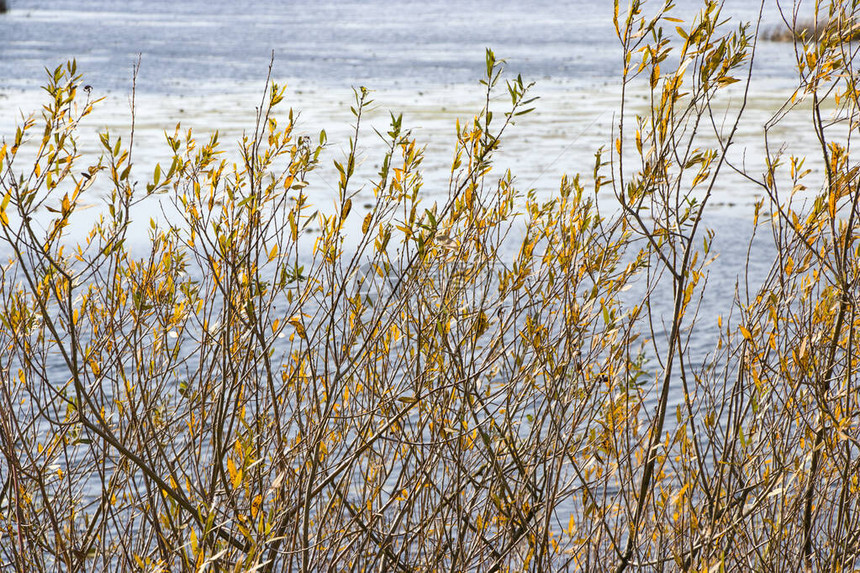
(204, 47)
(200, 47)
(197, 46)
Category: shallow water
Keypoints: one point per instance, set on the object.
(205, 46)
(203, 63)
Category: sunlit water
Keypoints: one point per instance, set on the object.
(204, 63)
(201, 46)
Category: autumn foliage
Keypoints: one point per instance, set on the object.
(457, 382)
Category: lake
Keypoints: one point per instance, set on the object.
(213, 46)
(204, 63)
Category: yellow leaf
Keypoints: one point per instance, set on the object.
(193, 538)
(294, 227)
(347, 207)
(6, 198)
(296, 322)
(235, 474)
(366, 224)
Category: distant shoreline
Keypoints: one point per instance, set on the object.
(804, 29)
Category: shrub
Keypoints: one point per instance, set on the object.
(458, 384)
